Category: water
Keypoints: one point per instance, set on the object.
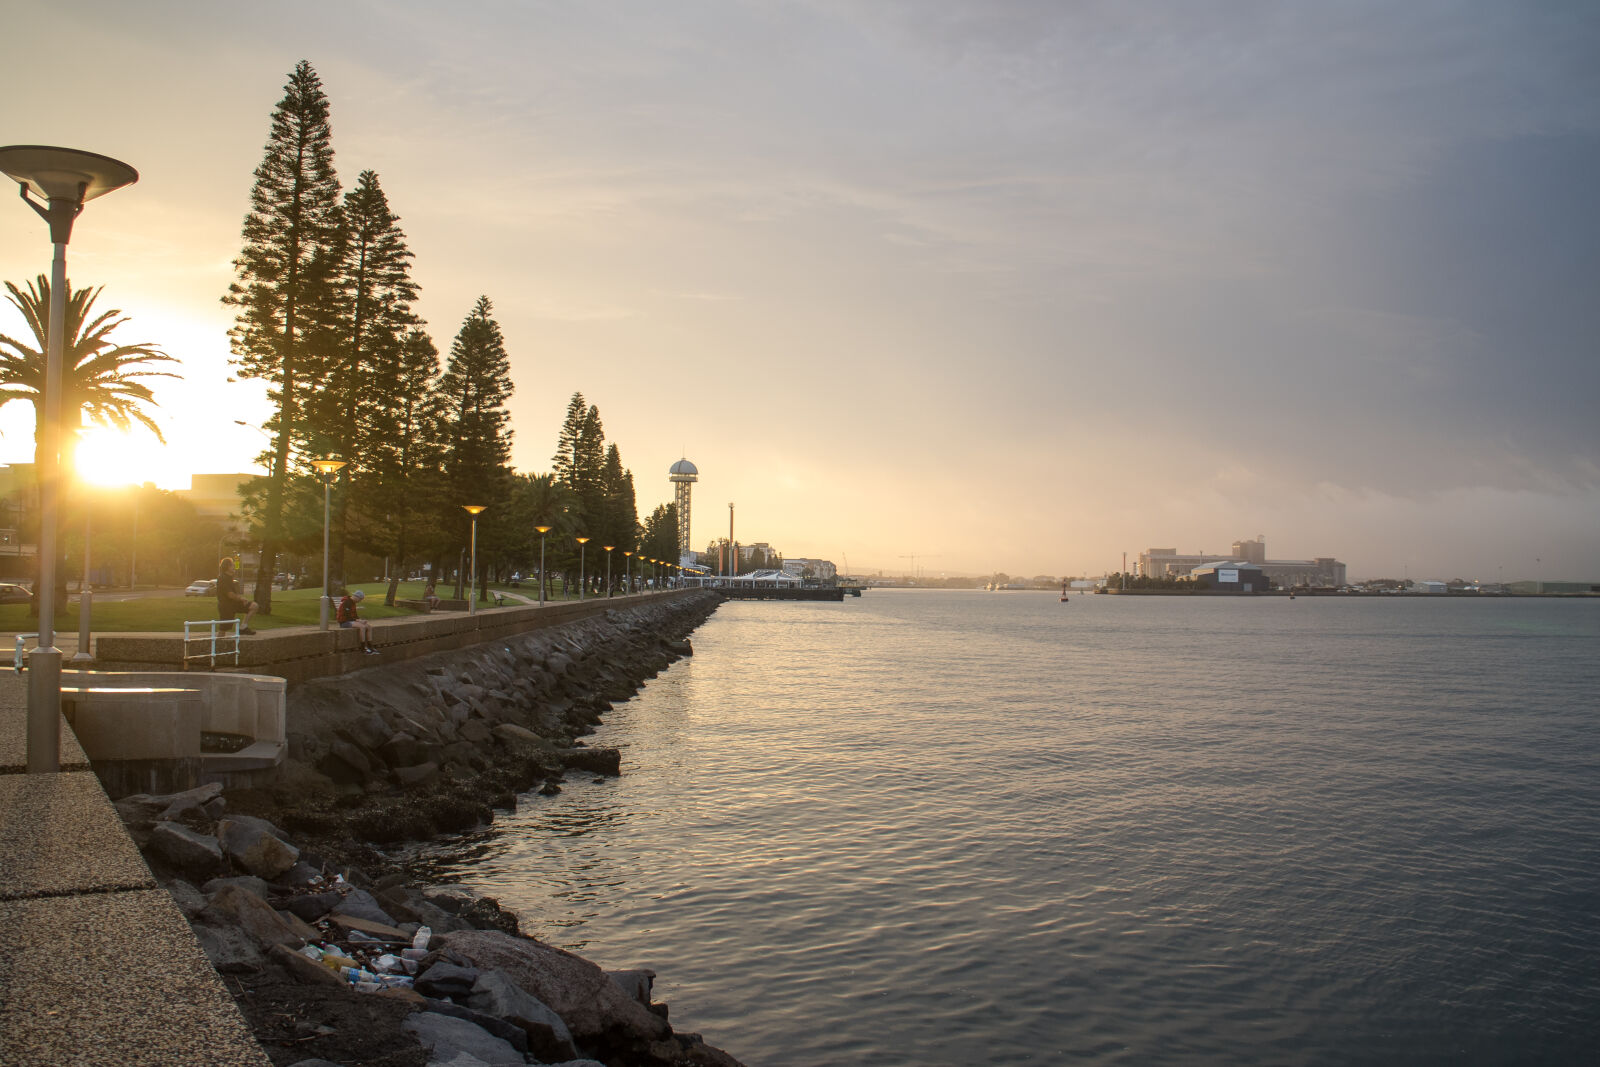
(978, 828)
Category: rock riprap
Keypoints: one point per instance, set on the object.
(333, 964)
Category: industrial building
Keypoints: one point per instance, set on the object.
(1321, 572)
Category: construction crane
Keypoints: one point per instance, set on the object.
(914, 556)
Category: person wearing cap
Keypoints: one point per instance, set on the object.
(349, 618)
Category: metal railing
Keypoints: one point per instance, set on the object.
(214, 640)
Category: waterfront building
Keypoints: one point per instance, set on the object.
(820, 568)
(1233, 576)
(1322, 571)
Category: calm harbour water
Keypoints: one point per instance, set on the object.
(932, 828)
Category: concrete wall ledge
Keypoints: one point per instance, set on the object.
(142, 730)
(301, 653)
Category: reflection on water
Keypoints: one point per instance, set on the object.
(951, 828)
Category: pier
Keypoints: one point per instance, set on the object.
(737, 592)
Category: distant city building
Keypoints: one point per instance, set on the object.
(1285, 573)
(747, 552)
(819, 568)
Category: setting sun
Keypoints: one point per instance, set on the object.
(111, 457)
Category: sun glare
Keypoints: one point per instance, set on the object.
(111, 457)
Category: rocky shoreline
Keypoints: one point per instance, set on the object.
(333, 951)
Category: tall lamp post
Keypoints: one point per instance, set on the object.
(627, 574)
(472, 585)
(542, 581)
(608, 549)
(65, 179)
(327, 467)
(583, 575)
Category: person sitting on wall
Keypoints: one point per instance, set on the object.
(430, 596)
(230, 598)
(349, 618)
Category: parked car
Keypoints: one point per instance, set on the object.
(12, 593)
(204, 587)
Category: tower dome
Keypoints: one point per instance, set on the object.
(683, 470)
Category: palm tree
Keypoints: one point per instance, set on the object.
(99, 378)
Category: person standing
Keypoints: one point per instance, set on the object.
(230, 598)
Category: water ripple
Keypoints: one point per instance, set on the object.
(944, 828)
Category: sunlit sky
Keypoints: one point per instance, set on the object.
(1017, 286)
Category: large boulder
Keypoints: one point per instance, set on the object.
(345, 764)
(230, 949)
(446, 1038)
(197, 856)
(360, 904)
(313, 906)
(256, 846)
(511, 1034)
(236, 907)
(446, 980)
(248, 882)
(142, 810)
(593, 1006)
(495, 993)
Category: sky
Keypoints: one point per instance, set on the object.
(1014, 286)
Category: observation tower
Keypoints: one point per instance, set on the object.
(682, 475)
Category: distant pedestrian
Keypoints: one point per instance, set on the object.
(429, 596)
(349, 618)
(230, 598)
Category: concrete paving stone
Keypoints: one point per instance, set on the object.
(113, 978)
(59, 834)
(14, 729)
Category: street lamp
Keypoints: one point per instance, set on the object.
(472, 593)
(627, 575)
(65, 179)
(542, 531)
(327, 467)
(608, 549)
(472, 557)
(583, 577)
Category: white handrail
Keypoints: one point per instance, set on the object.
(218, 630)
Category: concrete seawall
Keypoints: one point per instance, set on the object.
(299, 653)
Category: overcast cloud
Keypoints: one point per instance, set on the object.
(1012, 285)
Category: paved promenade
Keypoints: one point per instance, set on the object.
(97, 965)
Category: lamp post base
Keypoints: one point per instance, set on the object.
(85, 653)
(323, 603)
(44, 710)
